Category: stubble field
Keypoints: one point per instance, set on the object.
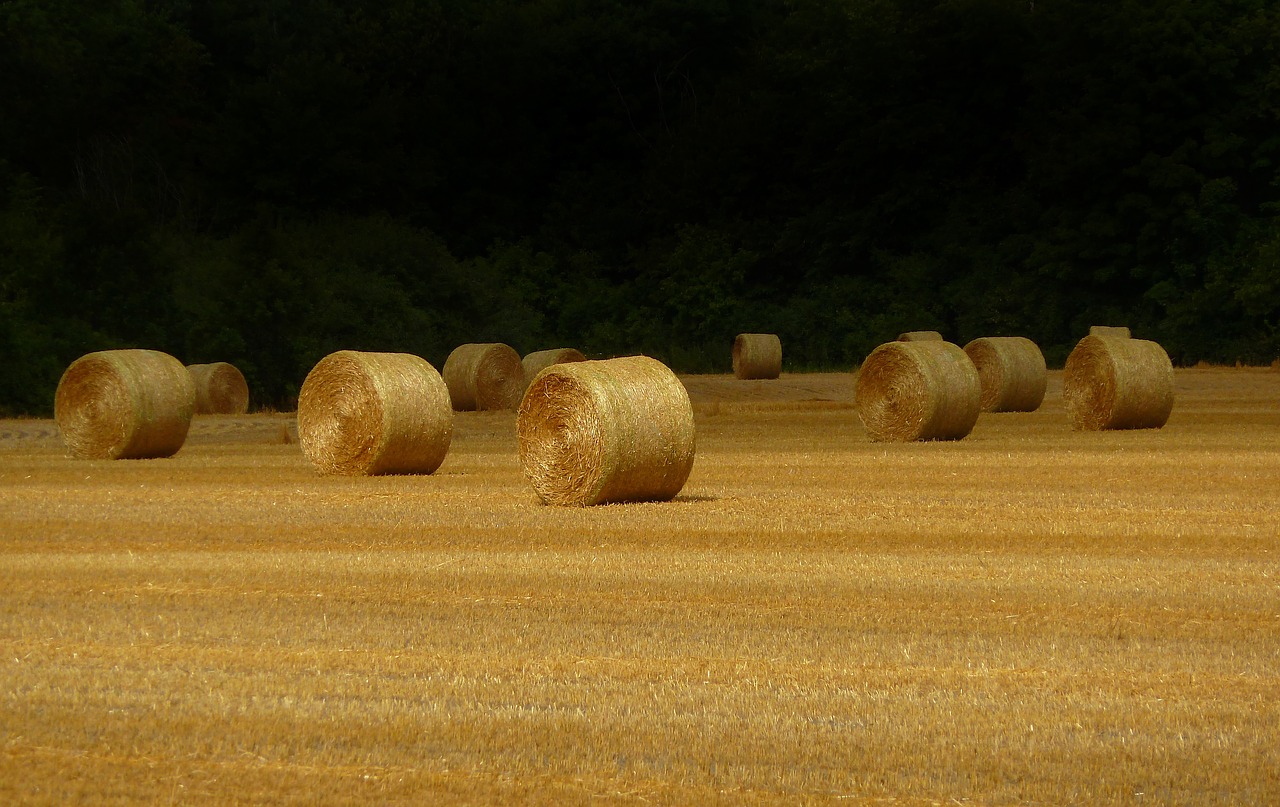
(1030, 615)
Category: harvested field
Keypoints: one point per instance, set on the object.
(1030, 615)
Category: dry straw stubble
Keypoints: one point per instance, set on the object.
(485, 375)
(374, 413)
(124, 404)
(1112, 382)
(1011, 371)
(220, 389)
(757, 356)
(926, 390)
(539, 360)
(617, 430)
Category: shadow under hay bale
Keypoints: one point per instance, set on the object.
(619, 430)
(1112, 382)
(1011, 371)
(125, 404)
(539, 360)
(374, 413)
(485, 375)
(220, 389)
(925, 390)
(757, 356)
(920, 336)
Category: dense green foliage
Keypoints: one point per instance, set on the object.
(265, 181)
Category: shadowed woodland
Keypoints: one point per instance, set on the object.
(266, 182)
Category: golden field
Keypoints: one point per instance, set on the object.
(1030, 615)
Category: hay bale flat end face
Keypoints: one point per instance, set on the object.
(374, 413)
(1011, 371)
(220, 389)
(1115, 382)
(757, 356)
(484, 375)
(618, 430)
(125, 404)
(1120, 331)
(539, 360)
(920, 336)
(925, 390)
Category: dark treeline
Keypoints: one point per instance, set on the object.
(265, 181)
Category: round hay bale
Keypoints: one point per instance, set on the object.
(484, 376)
(535, 362)
(618, 430)
(918, 391)
(220, 389)
(1120, 331)
(757, 355)
(1113, 382)
(1011, 371)
(374, 413)
(124, 404)
(920, 336)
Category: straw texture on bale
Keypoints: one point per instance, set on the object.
(537, 361)
(1011, 371)
(220, 389)
(1112, 382)
(125, 404)
(757, 355)
(618, 430)
(918, 391)
(484, 376)
(920, 336)
(374, 413)
(1121, 331)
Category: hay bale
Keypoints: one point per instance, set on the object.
(757, 355)
(484, 376)
(220, 389)
(920, 336)
(124, 404)
(374, 413)
(1119, 331)
(537, 361)
(1011, 371)
(925, 390)
(1112, 382)
(619, 430)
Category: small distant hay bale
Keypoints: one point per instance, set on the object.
(757, 356)
(537, 361)
(925, 390)
(618, 430)
(125, 404)
(220, 389)
(1012, 373)
(1112, 382)
(920, 336)
(374, 413)
(484, 376)
(1119, 331)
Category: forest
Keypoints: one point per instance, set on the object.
(265, 181)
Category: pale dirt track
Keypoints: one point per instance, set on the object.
(1030, 615)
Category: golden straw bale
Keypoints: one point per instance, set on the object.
(1121, 331)
(125, 404)
(374, 413)
(757, 355)
(535, 362)
(920, 336)
(484, 376)
(1012, 373)
(618, 430)
(220, 389)
(1112, 382)
(918, 391)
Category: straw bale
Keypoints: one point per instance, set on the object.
(535, 362)
(1121, 331)
(757, 355)
(1012, 373)
(484, 376)
(124, 404)
(220, 389)
(1112, 382)
(374, 413)
(920, 336)
(925, 390)
(618, 430)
